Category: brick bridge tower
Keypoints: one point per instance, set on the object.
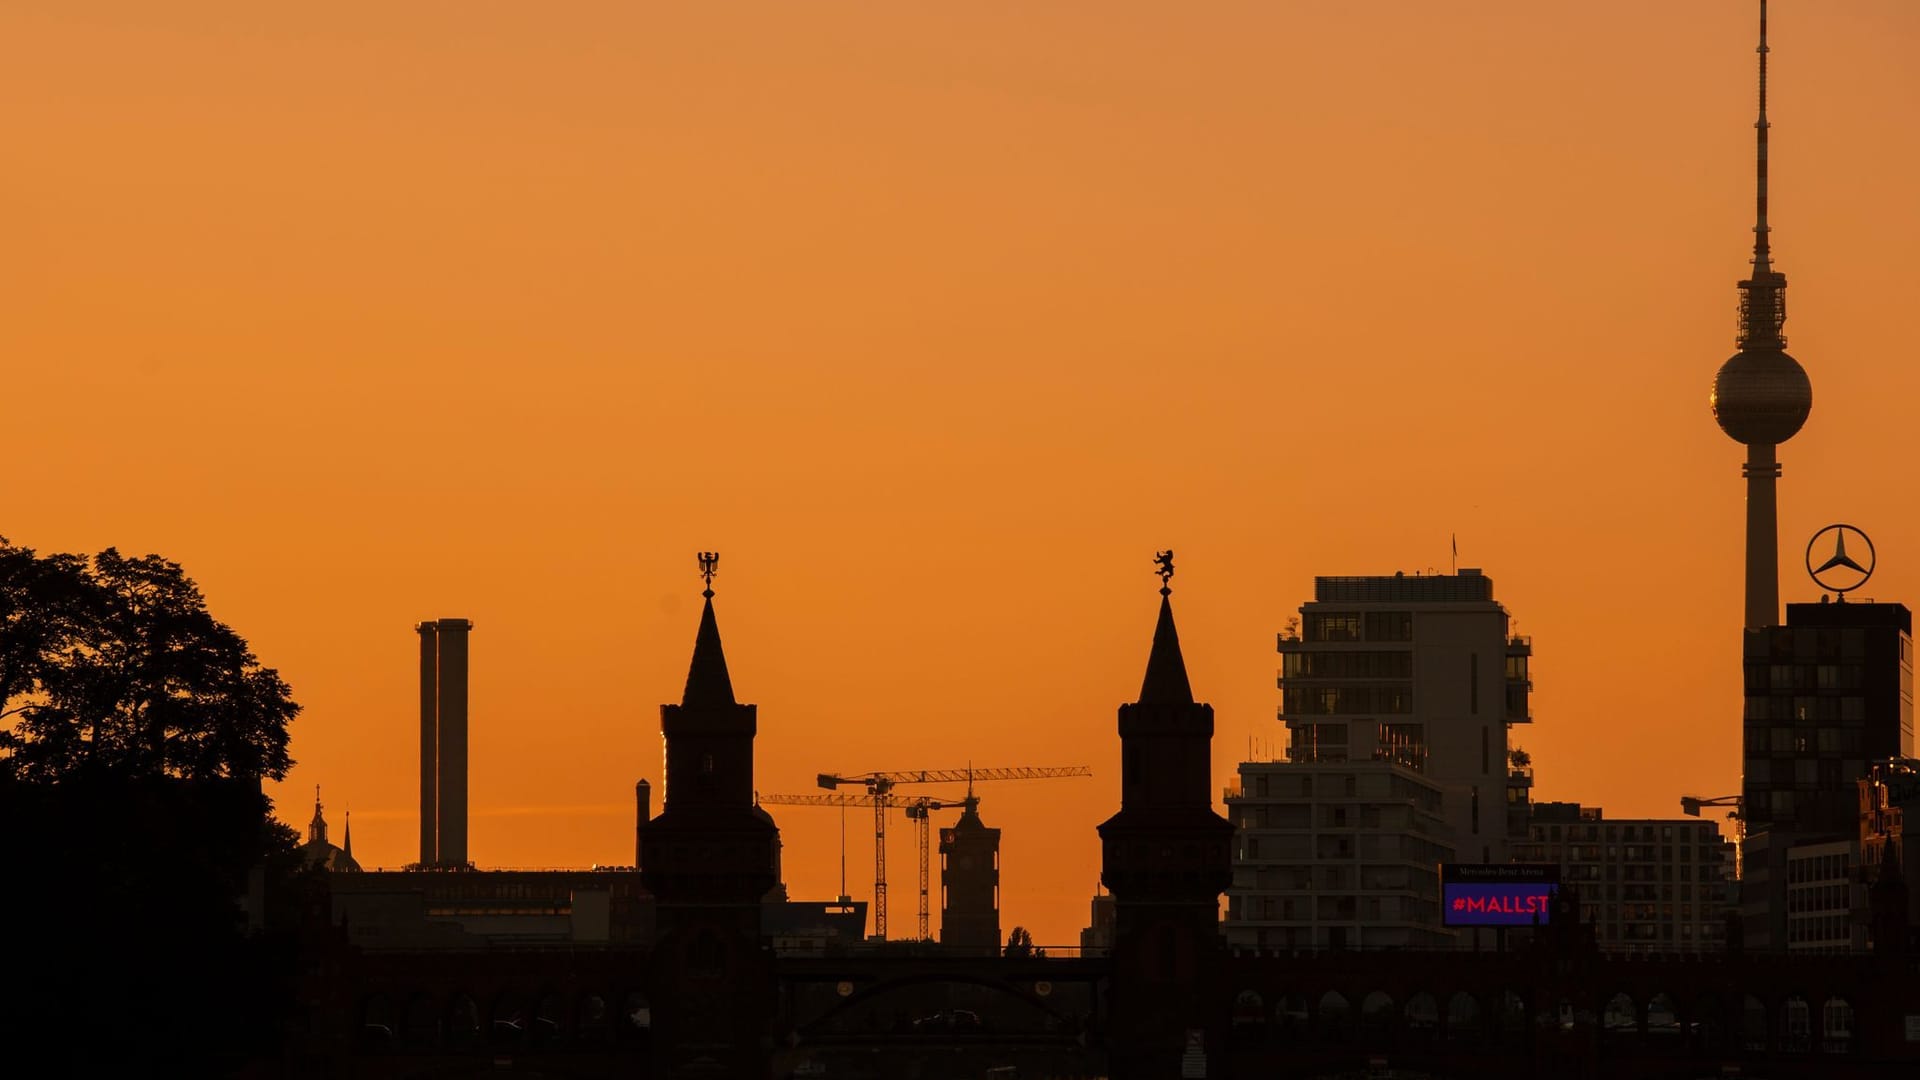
(708, 859)
(1165, 857)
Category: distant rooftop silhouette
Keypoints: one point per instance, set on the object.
(1468, 584)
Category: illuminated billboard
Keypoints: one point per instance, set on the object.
(1508, 894)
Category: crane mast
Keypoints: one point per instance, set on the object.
(880, 795)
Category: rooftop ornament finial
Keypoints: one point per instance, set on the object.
(1163, 561)
(709, 564)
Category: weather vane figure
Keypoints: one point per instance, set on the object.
(1163, 560)
(709, 563)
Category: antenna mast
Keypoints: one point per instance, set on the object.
(1762, 257)
(1763, 300)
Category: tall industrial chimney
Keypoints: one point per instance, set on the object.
(443, 742)
(642, 813)
(452, 784)
(429, 744)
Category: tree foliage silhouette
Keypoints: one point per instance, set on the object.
(135, 731)
(114, 665)
(1020, 943)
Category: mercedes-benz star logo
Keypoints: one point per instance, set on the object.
(1839, 571)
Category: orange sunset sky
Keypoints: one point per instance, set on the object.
(936, 320)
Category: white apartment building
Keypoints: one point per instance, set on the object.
(1422, 670)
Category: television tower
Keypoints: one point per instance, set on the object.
(1761, 396)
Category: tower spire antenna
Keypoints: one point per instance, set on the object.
(1763, 299)
(1762, 255)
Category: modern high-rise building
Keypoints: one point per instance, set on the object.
(1762, 396)
(1827, 695)
(1645, 884)
(443, 742)
(1421, 671)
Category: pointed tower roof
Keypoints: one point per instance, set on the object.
(1166, 682)
(346, 843)
(708, 683)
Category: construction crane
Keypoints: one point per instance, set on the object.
(1691, 805)
(919, 809)
(880, 785)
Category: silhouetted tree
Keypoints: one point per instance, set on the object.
(113, 664)
(1020, 943)
(135, 730)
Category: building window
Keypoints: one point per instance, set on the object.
(1389, 626)
(1333, 627)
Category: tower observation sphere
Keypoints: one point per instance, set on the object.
(1761, 396)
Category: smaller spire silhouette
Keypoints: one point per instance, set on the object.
(317, 828)
(1166, 682)
(708, 684)
(346, 841)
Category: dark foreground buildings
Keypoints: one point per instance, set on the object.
(709, 996)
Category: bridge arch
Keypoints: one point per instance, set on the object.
(1333, 1017)
(1377, 1015)
(1836, 1025)
(1620, 1017)
(1422, 1015)
(1755, 1031)
(1796, 1024)
(867, 1000)
(1464, 1021)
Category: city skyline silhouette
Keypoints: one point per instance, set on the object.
(935, 325)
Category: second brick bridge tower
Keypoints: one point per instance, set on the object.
(1165, 858)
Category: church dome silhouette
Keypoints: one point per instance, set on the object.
(317, 851)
